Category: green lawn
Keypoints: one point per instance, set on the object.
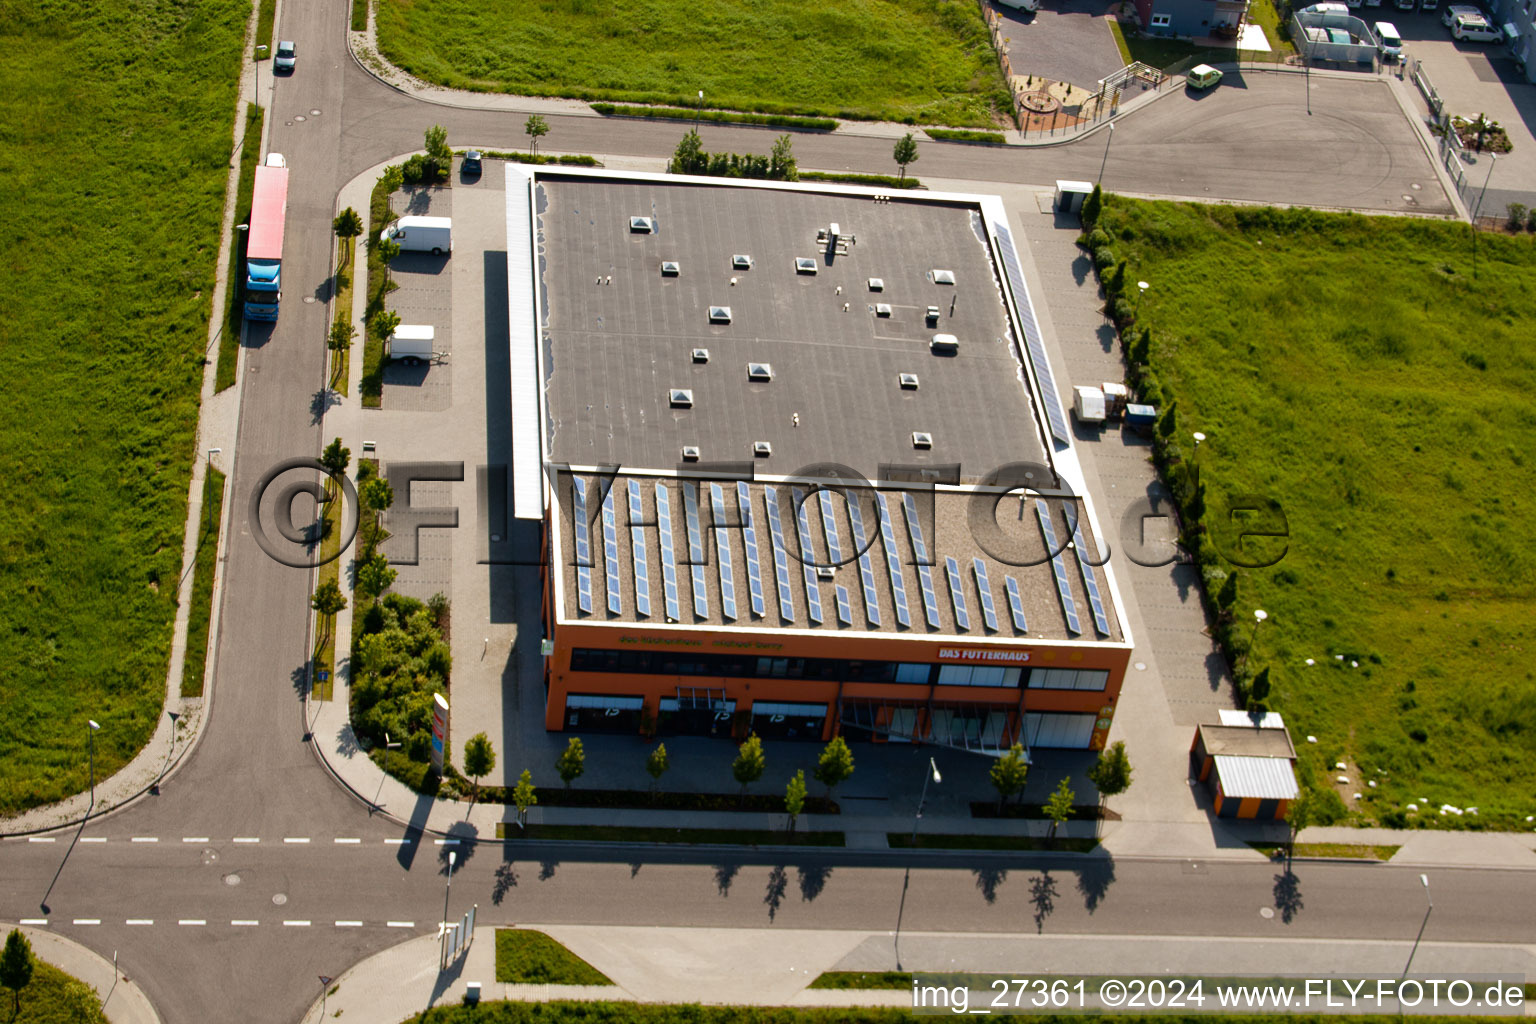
(116, 146)
(1353, 369)
(234, 289)
(52, 997)
(532, 958)
(1353, 851)
(559, 1012)
(201, 612)
(920, 61)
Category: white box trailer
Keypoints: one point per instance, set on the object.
(412, 341)
(1088, 404)
(421, 234)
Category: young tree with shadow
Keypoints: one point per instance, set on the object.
(479, 761)
(524, 796)
(1009, 773)
(535, 127)
(16, 967)
(572, 762)
(905, 153)
(1059, 807)
(1111, 773)
(656, 764)
(750, 763)
(835, 765)
(794, 798)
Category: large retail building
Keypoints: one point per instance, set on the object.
(801, 466)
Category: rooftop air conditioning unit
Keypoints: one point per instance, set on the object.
(741, 261)
(805, 265)
(944, 344)
(922, 439)
(943, 277)
(719, 314)
(762, 372)
(876, 284)
(882, 309)
(762, 449)
(669, 268)
(681, 398)
(690, 453)
(642, 225)
(908, 381)
(825, 572)
(701, 355)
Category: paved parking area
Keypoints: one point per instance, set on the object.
(1479, 78)
(1066, 41)
(424, 296)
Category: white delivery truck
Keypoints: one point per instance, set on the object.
(421, 234)
(412, 341)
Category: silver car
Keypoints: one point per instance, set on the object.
(287, 56)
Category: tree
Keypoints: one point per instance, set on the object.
(348, 224)
(905, 153)
(781, 164)
(1009, 773)
(1111, 773)
(534, 128)
(392, 178)
(328, 599)
(835, 764)
(1091, 207)
(340, 338)
(794, 797)
(524, 796)
(388, 249)
(439, 155)
(376, 496)
(385, 321)
(750, 763)
(374, 575)
(1258, 691)
(336, 457)
(572, 762)
(656, 764)
(1298, 816)
(16, 966)
(479, 760)
(689, 157)
(1059, 807)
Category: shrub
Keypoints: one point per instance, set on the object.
(954, 135)
(725, 116)
(1103, 259)
(872, 180)
(1096, 239)
(1517, 213)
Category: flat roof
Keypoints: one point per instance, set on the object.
(1246, 740)
(1013, 558)
(620, 333)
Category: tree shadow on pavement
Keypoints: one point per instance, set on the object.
(988, 880)
(1042, 893)
(1288, 895)
(778, 882)
(506, 881)
(725, 874)
(468, 840)
(547, 868)
(812, 881)
(1094, 879)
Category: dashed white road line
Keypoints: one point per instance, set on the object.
(244, 924)
(348, 842)
(140, 921)
(401, 924)
(295, 924)
(445, 842)
(397, 842)
(40, 839)
(94, 839)
(194, 839)
(191, 921)
(34, 920)
(296, 839)
(87, 920)
(145, 839)
(247, 839)
(349, 924)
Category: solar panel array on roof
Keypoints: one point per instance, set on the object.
(924, 570)
(668, 553)
(695, 549)
(866, 566)
(1058, 566)
(611, 554)
(723, 549)
(984, 588)
(780, 558)
(637, 550)
(749, 534)
(844, 608)
(583, 547)
(807, 555)
(829, 524)
(1090, 578)
(1032, 339)
(1016, 604)
(957, 594)
(893, 564)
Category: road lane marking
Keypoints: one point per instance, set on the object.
(349, 924)
(396, 842)
(94, 839)
(87, 920)
(40, 839)
(445, 842)
(401, 924)
(194, 839)
(246, 839)
(140, 921)
(296, 839)
(244, 924)
(34, 920)
(145, 839)
(191, 921)
(350, 842)
(295, 924)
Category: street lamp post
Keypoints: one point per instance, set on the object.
(443, 955)
(1425, 924)
(698, 112)
(1105, 161)
(1259, 615)
(1478, 209)
(91, 734)
(933, 773)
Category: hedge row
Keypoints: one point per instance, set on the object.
(724, 116)
(965, 135)
(873, 180)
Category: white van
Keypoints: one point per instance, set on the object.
(1389, 42)
(421, 234)
(412, 341)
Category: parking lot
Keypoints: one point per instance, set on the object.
(1066, 41)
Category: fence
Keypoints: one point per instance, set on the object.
(1431, 95)
(1000, 47)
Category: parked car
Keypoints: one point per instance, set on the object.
(471, 166)
(1405, 5)
(1455, 11)
(1389, 42)
(1326, 8)
(287, 56)
(1202, 76)
(1470, 29)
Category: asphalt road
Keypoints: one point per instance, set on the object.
(255, 776)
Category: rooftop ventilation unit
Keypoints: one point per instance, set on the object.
(681, 398)
(908, 381)
(825, 572)
(762, 449)
(669, 268)
(944, 344)
(943, 277)
(741, 261)
(701, 355)
(805, 265)
(690, 453)
(760, 372)
(719, 314)
(877, 284)
(642, 225)
(882, 309)
(922, 439)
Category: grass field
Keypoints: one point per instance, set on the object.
(234, 290)
(919, 61)
(52, 997)
(1353, 369)
(532, 958)
(116, 148)
(562, 1012)
(201, 612)
(1349, 851)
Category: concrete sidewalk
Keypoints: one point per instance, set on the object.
(122, 1000)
